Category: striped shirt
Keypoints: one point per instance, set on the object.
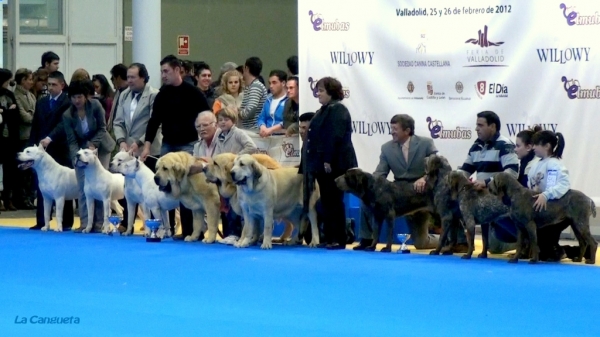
(491, 157)
(255, 96)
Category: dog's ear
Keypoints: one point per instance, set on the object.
(95, 152)
(179, 171)
(256, 171)
(454, 182)
(41, 148)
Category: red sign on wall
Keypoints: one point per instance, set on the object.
(183, 45)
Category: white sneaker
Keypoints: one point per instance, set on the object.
(230, 240)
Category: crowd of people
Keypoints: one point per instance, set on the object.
(192, 112)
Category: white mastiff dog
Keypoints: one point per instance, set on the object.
(100, 184)
(133, 191)
(152, 199)
(266, 194)
(57, 183)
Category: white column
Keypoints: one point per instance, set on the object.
(147, 37)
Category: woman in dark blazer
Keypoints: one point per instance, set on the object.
(9, 140)
(329, 154)
(85, 126)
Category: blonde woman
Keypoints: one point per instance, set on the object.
(80, 75)
(231, 91)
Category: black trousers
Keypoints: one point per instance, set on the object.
(334, 212)
(39, 213)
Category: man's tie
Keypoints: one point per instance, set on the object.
(405, 152)
(52, 102)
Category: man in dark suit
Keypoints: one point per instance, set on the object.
(404, 155)
(47, 129)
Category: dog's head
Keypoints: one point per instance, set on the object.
(130, 168)
(457, 183)
(499, 184)
(436, 168)
(30, 156)
(218, 169)
(246, 171)
(86, 157)
(355, 181)
(171, 169)
(117, 164)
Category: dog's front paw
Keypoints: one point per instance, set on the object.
(313, 244)
(128, 232)
(466, 257)
(291, 242)
(168, 233)
(58, 229)
(106, 229)
(208, 240)
(434, 252)
(86, 230)
(590, 261)
(45, 228)
(242, 243)
(266, 245)
(189, 238)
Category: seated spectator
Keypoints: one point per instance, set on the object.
(103, 92)
(226, 67)
(231, 139)
(255, 94)
(270, 120)
(291, 108)
(292, 65)
(231, 92)
(203, 77)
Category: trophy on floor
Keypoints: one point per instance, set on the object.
(115, 220)
(153, 225)
(403, 238)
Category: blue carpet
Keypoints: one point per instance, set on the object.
(120, 286)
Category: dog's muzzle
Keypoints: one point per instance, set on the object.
(25, 164)
(80, 163)
(236, 181)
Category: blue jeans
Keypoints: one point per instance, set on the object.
(187, 218)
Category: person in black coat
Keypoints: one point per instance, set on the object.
(329, 154)
(9, 138)
(47, 129)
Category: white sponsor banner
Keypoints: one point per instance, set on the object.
(286, 150)
(442, 62)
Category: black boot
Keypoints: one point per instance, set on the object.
(364, 243)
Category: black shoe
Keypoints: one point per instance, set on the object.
(178, 237)
(336, 246)
(36, 227)
(66, 229)
(364, 243)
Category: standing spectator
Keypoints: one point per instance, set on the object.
(80, 74)
(40, 81)
(85, 127)
(176, 107)
(26, 103)
(119, 79)
(330, 153)
(50, 63)
(231, 92)
(226, 67)
(46, 129)
(255, 94)
(291, 108)
(203, 77)
(9, 139)
(270, 120)
(292, 65)
(104, 93)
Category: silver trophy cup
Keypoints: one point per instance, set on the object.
(115, 220)
(153, 225)
(403, 238)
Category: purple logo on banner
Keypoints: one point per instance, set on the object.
(313, 86)
(571, 87)
(316, 21)
(570, 17)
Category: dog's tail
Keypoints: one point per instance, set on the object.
(593, 205)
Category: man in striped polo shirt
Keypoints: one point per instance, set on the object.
(255, 95)
(493, 153)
